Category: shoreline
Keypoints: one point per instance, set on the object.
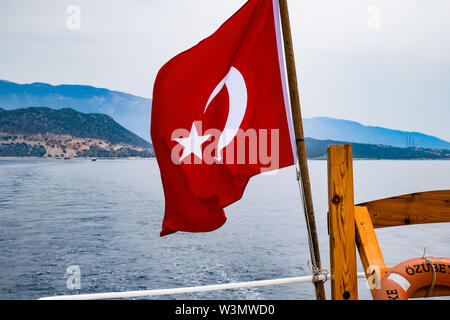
(76, 159)
(154, 158)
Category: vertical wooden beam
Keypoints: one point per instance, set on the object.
(342, 223)
(300, 142)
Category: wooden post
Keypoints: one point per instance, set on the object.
(342, 223)
(300, 142)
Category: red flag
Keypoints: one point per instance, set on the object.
(220, 115)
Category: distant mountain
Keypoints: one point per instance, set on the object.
(130, 111)
(317, 149)
(133, 113)
(39, 131)
(323, 128)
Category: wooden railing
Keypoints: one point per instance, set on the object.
(349, 225)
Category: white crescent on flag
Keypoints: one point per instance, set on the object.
(237, 92)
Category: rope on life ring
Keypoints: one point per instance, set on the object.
(410, 275)
(433, 281)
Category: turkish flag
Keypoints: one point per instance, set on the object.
(220, 115)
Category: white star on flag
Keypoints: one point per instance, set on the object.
(192, 144)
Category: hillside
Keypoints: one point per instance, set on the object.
(39, 131)
(130, 111)
(45, 132)
(317, 149)
(322, 128)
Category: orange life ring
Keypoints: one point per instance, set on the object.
(409, 276)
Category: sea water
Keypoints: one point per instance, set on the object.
(102, 219)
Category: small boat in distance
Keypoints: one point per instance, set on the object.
(94, 159)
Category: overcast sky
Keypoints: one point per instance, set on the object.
(378, 62)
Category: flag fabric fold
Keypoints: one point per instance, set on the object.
(220, 115)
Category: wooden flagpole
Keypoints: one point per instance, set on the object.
(300, 143)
